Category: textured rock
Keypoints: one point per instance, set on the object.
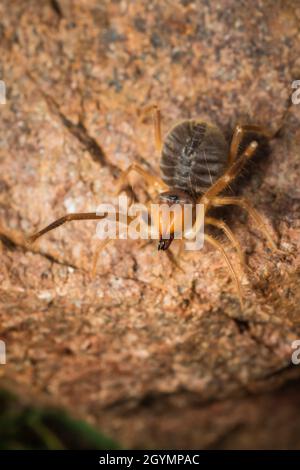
(151, 355)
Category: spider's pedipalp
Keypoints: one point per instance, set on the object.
(63, 220)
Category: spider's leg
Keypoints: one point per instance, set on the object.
(100, 247)
(157, 127)
(228, 176)
(230, 235)
(180, 249)
(175, 258)
(156, 115)
(244, 204)
(154, 181)
(234, 276)
(239, 132)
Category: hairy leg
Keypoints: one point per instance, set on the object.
(230, 235)
(244, 204)
(174, 258)
(238, 135)
(229, 175)
(100, 247)
(156, 116)
(157, 127)
(234, 276)
(151, 180)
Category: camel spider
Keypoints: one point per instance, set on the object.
(197, 164)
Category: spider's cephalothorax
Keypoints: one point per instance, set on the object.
(197, 165)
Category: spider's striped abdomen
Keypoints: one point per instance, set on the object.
(194, 156)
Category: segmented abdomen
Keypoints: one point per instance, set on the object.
(194, 156)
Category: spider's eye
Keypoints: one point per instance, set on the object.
(173, 198)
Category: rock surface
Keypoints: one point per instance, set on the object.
(154, 356)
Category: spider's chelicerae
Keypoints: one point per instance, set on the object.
(197, 165)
